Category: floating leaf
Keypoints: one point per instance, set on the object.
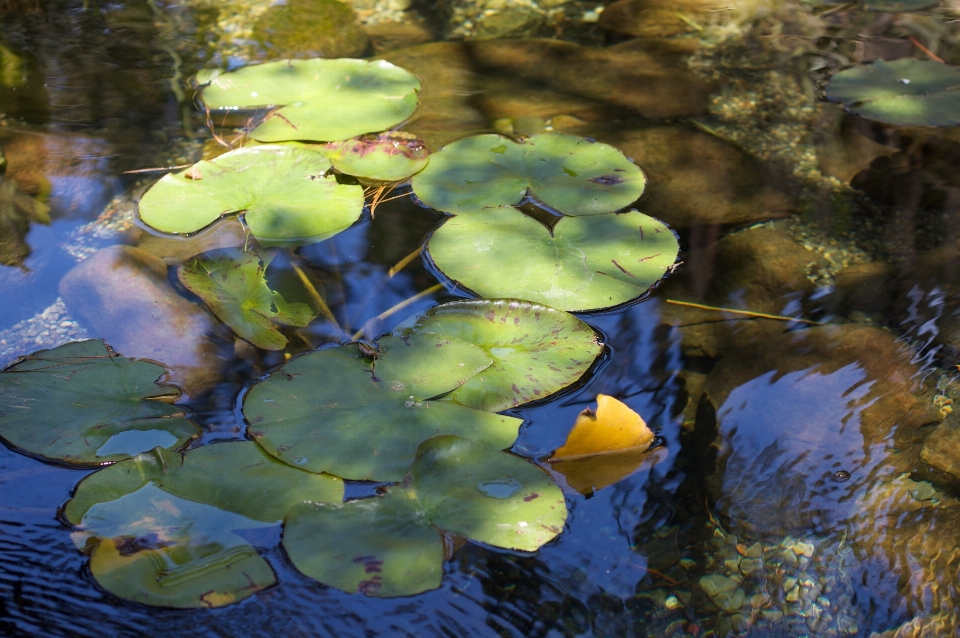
(536, 350)
(569, 174)
(603, 447)
(336, 411)
(174, 533)
(904, 92)
(614, 427)
(283, 191)
(232, 283)
(390, 546)
(81, 404)
(319, 100)
(582, 265)
(389, 157)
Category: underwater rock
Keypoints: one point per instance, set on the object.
(868, 288)
(514, 22)
(634, 80)
(446, 110)
(654, 18)
(389, 36)
(310, 28)
(803, 423)
(513, 98)
(941, 449)
(927, 306)
(698, 178)
(121, 294)
(849, 146)
(724, 592)
(174, 250)
(908, 557)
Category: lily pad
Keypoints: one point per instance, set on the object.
(319, 100)
(232, 283)
(391, 545)
(338, 412)
(570, 174)
(904, 92)
(83, 405)
(581, 265)
(174, 532)
(284, 192)
(388, 157)
(536, 350)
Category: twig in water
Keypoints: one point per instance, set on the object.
(312, 291)
(933, 56)
(158, 169)
(745, 313)
(400, 306)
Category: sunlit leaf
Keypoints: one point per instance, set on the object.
(904, 92)
(320, 100)
(584, 264)
(283, 191)
(175, 532)
(569, 174)
(84, 405)
(336, 411)
(536, 350)
(232, 283)
(388, 157)
(391, 545)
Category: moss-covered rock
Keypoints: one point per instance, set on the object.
(311, 28)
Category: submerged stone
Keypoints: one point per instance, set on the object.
(309, 29)
(122, 294)
(786, 413)
(941, 449)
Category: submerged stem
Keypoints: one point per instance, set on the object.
(746, 313)
(312, 291)
(400, 306)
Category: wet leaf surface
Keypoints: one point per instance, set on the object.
(536, 350)
(320, 100)
(336, 411)
(388, 157)
(904, 92)
(284, 192)
(83, 405)
(232, 283)
(569, 174)
(584, 264)
(391, 546)
(173, 532)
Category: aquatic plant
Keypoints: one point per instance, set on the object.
(388, 157)
(392, 545)
(168, 531)
(84, 405)
(904, 92)
(315, 100)
(569, 174)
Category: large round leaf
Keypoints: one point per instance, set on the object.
(320, 100)
(335, 411)
(389, 157)
(390, 546)
(232, 283)
(536, 350)
(569, 174)
(284, 192)
(84, 405)
(905, 92)
(584, 264)
(174, 532)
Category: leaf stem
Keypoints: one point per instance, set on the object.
(312, 291)
(403, 263)
(745, 313)
(400, 306)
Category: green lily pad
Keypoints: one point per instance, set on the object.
(391, 545)
(319, 100)
(536, 350)
(338, 412)
(580, 266)
(283, 190)
(388, 157)
(232, 283)
(174, 533)
(905, 92)
(83, 405)
(569, 174)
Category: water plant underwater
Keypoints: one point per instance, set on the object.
(418, 407)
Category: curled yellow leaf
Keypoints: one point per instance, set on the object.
(613, 428)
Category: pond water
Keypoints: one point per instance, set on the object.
(807, 476)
